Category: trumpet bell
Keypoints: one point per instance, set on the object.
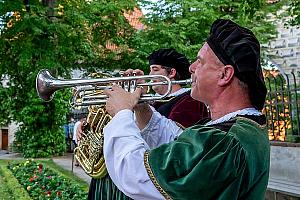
(43, 88)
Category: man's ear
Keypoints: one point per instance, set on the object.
(172, 73)
(226, 75)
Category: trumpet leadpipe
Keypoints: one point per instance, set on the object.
(102, 87)
(93, 97)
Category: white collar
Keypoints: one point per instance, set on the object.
(245, 111)
(177, 93)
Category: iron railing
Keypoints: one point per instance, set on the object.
(282, 107)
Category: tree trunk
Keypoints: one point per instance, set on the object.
(51, 5)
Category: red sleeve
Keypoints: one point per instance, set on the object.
(188, 111)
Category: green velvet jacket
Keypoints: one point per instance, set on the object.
(226, 161)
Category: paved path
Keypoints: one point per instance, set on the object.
(2, 152)
(63, 161)
(66, 163)
(6, 155)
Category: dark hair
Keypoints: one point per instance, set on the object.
(170, 58)
(168, 69)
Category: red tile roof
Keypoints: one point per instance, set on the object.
(133, 18)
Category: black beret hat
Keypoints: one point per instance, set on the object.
(169, 57)
(237, 46)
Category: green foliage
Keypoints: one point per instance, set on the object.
(60, 37)
(294, 9)
(49, 139)
(43, 183)
(185, 24)
(289, 12)
(66, 173)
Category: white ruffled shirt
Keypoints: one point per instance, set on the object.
(245, 111)
(125, 145)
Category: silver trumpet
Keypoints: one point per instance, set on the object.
(90, 91)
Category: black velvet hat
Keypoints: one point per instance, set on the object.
(237, 46)
(171, 58)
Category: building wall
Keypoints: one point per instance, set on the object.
(284, 50)
(12, 128)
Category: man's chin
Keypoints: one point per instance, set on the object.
(156, 90)
(195, 96)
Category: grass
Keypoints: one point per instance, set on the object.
(10, 189)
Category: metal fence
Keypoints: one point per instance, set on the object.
(282, 106)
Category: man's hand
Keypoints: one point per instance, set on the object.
(118, 99)
(80, 130)
(137, 72)
(130, 72)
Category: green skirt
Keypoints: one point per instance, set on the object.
(105, 189)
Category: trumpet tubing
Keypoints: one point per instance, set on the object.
(47, 85)
(89, 152)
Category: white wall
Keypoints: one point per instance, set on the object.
(12, 128)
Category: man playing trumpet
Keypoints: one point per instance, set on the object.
(224, 158)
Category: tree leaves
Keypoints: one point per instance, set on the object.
(185, 24)
(94, 35)
(60, 37)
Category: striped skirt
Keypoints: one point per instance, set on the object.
(105, 189)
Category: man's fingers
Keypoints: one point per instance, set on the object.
(137, 93)
(116, 88)
(128, 72)
(107, 92)
(138, 72)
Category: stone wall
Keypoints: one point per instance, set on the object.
(284, 172)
